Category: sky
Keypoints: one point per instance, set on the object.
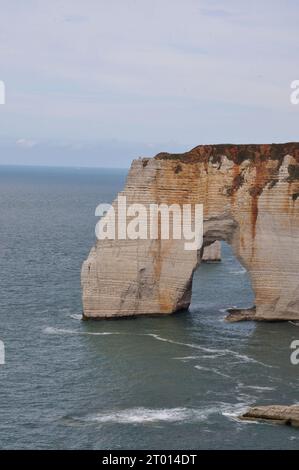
(98, 83)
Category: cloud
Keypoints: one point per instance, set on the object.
(25, 143)
(144, 71)
(75, 19)
(217, 13)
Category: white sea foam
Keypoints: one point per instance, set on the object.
(50, 330)
(187, 358)
(149, 415)
(213, 370)
(238, 271)
(233, 412)
(142, 415)
(76, 316)
(211, 356)
(256, 387)
(211, 351)
(202, 356)
(241, 357)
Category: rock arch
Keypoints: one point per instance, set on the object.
(250, 198)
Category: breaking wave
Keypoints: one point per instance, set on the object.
(147, 415)
(140, 415)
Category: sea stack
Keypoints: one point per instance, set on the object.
(250, 196)
(212, 253)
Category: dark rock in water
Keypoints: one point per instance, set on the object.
(241, 314)
(278, 414)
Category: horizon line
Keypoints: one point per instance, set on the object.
(29, 165)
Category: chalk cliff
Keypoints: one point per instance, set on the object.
(250, 195)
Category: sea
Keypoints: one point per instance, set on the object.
(175, 382)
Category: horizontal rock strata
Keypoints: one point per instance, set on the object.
(278, 414)
(250, 195)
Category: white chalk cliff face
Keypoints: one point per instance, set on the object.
(250, 195)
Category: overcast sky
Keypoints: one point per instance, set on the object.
(94, 82)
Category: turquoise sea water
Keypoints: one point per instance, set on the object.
(148, 383)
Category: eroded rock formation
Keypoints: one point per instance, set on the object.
(250, 195)
(278, 414)
(212, 253)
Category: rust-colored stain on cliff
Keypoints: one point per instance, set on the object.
(250, 195)
(258, 156)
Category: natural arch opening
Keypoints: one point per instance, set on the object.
(218, 287)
